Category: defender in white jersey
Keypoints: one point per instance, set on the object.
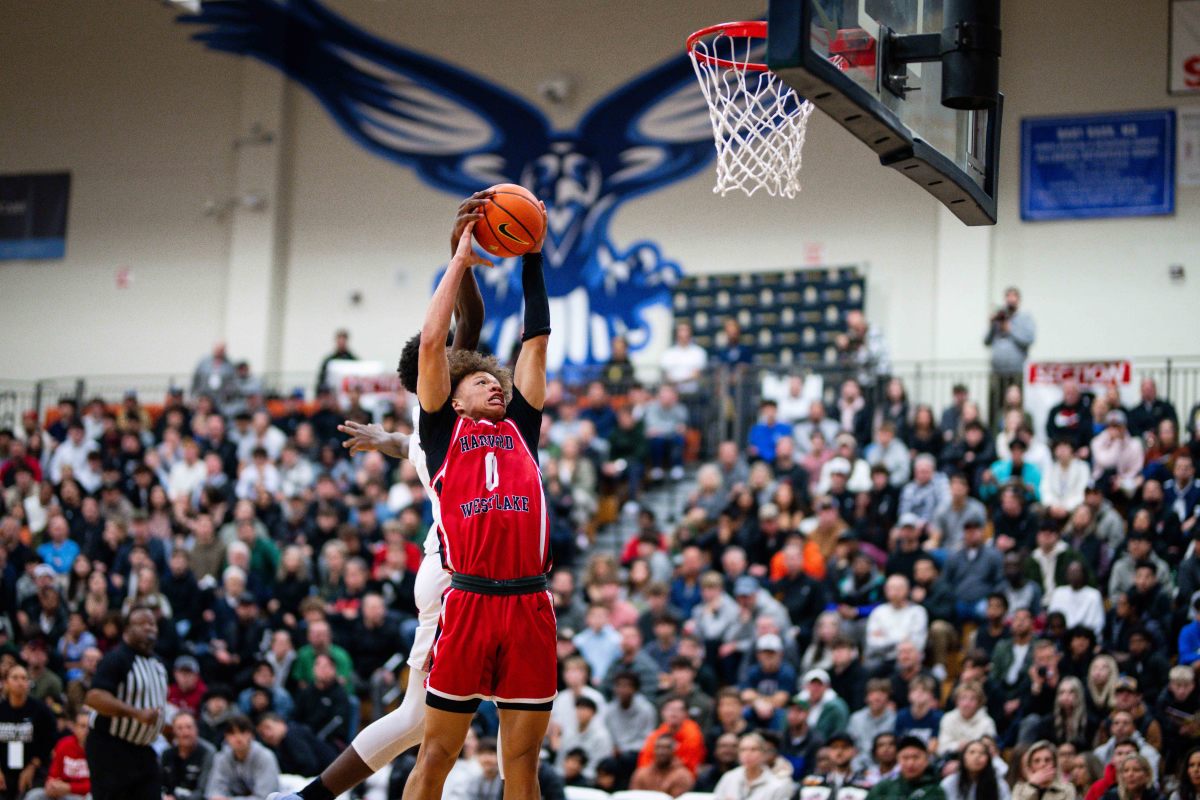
(384, 740)
(432, 580)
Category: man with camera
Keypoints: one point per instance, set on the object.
(1011, 332)
(862, 349)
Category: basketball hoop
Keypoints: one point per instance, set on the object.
(758, 120)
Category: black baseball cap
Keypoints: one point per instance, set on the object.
(906, 742)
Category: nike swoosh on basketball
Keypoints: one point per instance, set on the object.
(502, 229)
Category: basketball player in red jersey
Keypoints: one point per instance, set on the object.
(479, 429)
(382, 741)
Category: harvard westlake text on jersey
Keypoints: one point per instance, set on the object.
(482, 505)
(499, 441)
(490, 497)
(496, 502)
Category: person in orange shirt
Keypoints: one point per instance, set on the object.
(812, 562)
(685, 732)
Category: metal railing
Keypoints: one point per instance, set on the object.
(726, 405)
(17, 397)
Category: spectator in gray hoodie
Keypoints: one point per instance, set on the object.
(590, 735)
(716, 612)
(928, 494)
(948, 523)
(629, 716)
(243, 769)
(975, 571)
(876, 717)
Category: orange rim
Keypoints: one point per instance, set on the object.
(756, 29)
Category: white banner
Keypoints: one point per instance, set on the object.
(1188, 136)
(378, 386)
(1044, 380)
(1185, 47)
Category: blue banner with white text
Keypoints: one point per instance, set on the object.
(1103, 165)
(33, 215)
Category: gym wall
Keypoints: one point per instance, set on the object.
(146, 120)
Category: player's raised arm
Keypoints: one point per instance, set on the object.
(468, 306)
(530, 373)
(468, 314)
(433, 371)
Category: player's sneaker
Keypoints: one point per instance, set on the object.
(283, 796)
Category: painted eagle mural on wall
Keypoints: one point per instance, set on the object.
(460, 132)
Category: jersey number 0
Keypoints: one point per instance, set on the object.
(492, 472)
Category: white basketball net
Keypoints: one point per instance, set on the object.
(758, 120)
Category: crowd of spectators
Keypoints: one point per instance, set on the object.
(864, 596)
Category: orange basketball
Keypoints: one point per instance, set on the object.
(512, 221)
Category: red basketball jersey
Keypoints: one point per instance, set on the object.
(494, 522)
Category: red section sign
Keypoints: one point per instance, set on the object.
(371, 384)
(1185, 47)
(1087, 373)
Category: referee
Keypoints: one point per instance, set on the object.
(128, 695)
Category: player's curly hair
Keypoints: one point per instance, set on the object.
(462, 364)
(407, 368)
(467, 362)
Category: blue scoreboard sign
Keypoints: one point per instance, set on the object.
(1104, 165)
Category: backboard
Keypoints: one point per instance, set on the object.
(914, 80)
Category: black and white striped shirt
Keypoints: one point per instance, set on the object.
(135, 679)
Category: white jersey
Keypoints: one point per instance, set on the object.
(417, 456)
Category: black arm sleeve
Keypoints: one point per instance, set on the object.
(537, 303)
(527, 419)
(436, 430)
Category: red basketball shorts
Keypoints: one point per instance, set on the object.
(491, 647)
